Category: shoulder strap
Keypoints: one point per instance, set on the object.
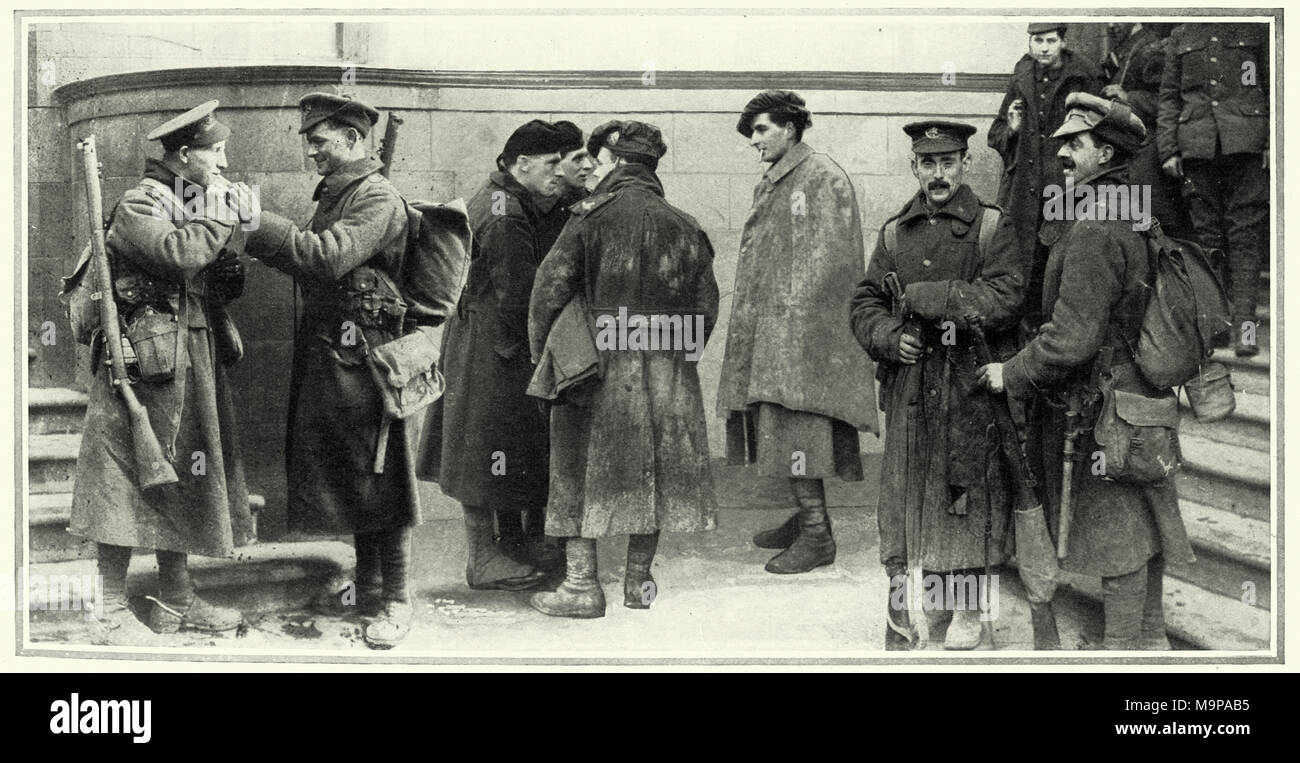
(988, 226)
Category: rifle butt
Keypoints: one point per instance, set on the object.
(151, 466)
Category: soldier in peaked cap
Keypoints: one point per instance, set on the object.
(173, 271)
(488, 443)
(633, 458)
(945, 256)
(349, 255)
(791, 387)
(1094, 297)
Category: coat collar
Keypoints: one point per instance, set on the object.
(506, 182)
(631, 176)
(338, 181)
(963, 205)
(1027, 71)
(182, 188)
(793, 158)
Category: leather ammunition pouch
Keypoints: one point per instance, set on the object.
(406, 374)
(370, 298)
(1138, 435)
(154, 336)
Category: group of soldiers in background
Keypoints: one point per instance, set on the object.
(564, 216)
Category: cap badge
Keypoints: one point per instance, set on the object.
(932, 133)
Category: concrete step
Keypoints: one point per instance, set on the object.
(1202, 618)
(1228, 477)
(263, 577)
(55, 410)
(48, 515)
(1246, 542)
(1249, 426)
(51, 462)
(1248, 374)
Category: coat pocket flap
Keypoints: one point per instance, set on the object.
(1143, 411)
(402, 360)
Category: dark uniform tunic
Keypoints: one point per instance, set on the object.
(635, 460)
(335, 410)
(155, 236)
(1094, 296)
(554, 218)
(938, 449)
(1029, 162)
(1214, 112)
(494, 442)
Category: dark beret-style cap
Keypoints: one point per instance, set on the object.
(639, 139)
(600, 137)
(196, 127)
(1043, 27)
(572, 136)
(535, 137)
(1112, 121)
(938, 136)
(774, 101)
(317, 107)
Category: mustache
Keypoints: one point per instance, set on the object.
(937, 184)
(1067, 163)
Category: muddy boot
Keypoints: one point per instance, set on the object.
(1043, 620)
(393, 621)
(178, 607)
(486, 567)
(639, 587)
(390, 626)
(779, 537)
(813, 546)
(114, 623)
(1122, 599)
(1154, 638)
(966, 630)
(580, 594)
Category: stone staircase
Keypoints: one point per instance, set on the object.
(263, 577)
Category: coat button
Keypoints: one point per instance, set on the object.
(1214, 82)
(933, 392)
(933, 221)
(1214, 103)
(1214, 60)
(925, 263)
(1214, 39)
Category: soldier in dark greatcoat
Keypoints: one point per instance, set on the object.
(1214, 131)
(1094, 297)
(953, 261)
(167, 245)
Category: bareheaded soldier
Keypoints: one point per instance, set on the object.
(341, 262)
(795, 387)
(1214, 131)
(1094, 296)
(632, 457)
(172, 274)
(939, 262)
(488, 445)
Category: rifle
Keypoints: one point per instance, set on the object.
(151, 466)
(1037, 558)
(387, 147)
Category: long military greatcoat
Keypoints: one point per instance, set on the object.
(800, 253)
(207, 512)
(488, 441)
(1029, 162)
(939, 454)
(335, 410)
(1095, 295)
(635, 458)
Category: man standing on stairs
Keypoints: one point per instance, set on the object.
(795, 387)
(1214, 132)
(631, 455)
(171, 272)
(1095, 294)
(488, 445)
(949, 259)
(348, 259)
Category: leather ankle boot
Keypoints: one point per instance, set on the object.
(486, 566)
(813, 546)
(580, 594)
(779, 537)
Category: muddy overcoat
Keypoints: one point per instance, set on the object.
(800, 254)
(335, 410)
(1094, 295)
(634, 459)
(488, 442)
(155, 234)
(939, 455)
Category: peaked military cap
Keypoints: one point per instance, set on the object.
(938, 136)
(1112, 121)
(639, 139)
(1043, 27)
(196, 127)
(317, 107)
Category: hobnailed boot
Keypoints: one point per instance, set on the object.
(813, 546)
(580, 594)
(639, 587)
(486, 566)
(1043, 620)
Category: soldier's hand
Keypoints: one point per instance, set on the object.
(1016, 114)
(909, 349)
(1173, 166)
(990, 378)
(1115, 92)
(245, 201)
